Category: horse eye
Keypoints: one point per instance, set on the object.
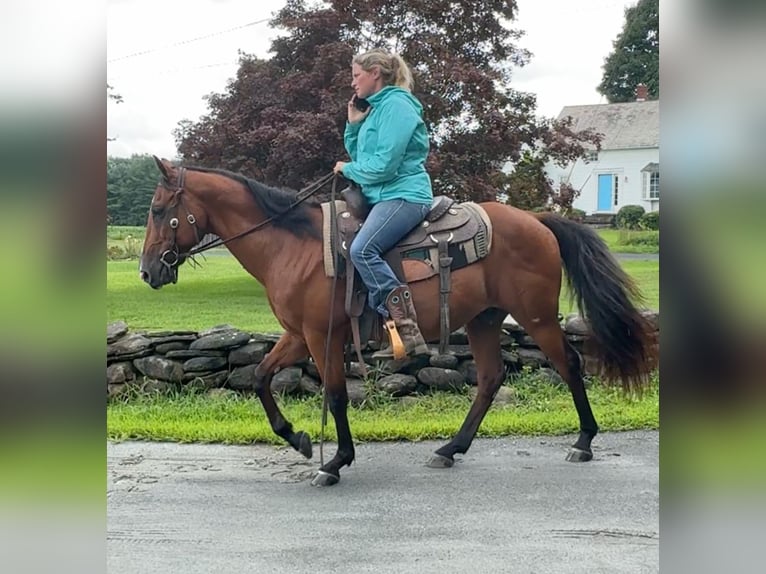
(157, 211)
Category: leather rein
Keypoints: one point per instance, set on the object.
(302, 196)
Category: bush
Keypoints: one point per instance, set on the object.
(651, 221)
(131, 249)
(629, 217)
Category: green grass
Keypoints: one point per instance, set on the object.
(538, 408)
(218, 292)
(646, 275)
(222, 292)
(125, 238)
(625, 241)
(120, 232)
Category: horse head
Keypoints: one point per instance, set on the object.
(175, 224)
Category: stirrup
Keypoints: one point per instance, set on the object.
(396, 349)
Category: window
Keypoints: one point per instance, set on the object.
(590, 156)
(651, 182)
(616, 190)
(652, 185)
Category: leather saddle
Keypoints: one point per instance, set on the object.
(463, 227)
(452, 235)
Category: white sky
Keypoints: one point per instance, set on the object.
(569, 40)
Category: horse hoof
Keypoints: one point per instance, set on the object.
(325, 479)
(304, 444)
(578, 455)
(440, 461)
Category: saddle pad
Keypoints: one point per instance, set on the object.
(329, 263)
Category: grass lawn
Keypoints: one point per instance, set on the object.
(218, 292)
(625, 241)
(222, 292)
(537, 408)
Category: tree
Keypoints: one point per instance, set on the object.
(281, 120)
(130, 184)
(636, 55)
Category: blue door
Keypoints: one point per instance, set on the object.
(605, 191)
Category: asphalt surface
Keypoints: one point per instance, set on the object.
(508, 505)
(638, 256)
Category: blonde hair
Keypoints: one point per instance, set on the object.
(393, 69)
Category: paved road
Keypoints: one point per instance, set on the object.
(510, 505)
(638, 256)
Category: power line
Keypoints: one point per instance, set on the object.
(187, 41)
(117, 77)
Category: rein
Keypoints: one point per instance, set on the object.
(333, 224)
(302, 196)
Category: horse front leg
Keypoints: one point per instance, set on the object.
(289, 350)
(334, 381)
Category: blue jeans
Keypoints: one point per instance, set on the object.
(387, 223)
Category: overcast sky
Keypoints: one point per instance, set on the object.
(163, 76)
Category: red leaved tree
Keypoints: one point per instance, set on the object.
(281, 120)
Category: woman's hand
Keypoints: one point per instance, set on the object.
(339, 167)
(354, 115)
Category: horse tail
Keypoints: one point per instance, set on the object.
(604, 294)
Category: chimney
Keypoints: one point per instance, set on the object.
(642, 93)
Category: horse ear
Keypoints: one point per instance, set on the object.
(164, 166)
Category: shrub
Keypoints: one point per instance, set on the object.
(629, 217)
(131, 249)
(650, 220)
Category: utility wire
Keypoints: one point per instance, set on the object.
(187, 41)
(117, 77)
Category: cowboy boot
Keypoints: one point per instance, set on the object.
(404, 332)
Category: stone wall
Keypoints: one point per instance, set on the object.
(224, 358)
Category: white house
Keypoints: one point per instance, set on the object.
(627, 169)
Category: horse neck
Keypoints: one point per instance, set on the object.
(266, 249)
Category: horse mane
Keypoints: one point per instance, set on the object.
(275, 202)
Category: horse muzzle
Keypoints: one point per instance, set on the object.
(156, 276)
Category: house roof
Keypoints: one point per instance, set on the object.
(625, 126)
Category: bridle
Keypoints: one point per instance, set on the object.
(173, 222)
(171, 258)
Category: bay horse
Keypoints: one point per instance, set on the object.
(521, 276)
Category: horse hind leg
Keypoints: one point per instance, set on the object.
(484, 339)
(551, 340)
(287, 351)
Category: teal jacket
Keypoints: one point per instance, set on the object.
(388, 149)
